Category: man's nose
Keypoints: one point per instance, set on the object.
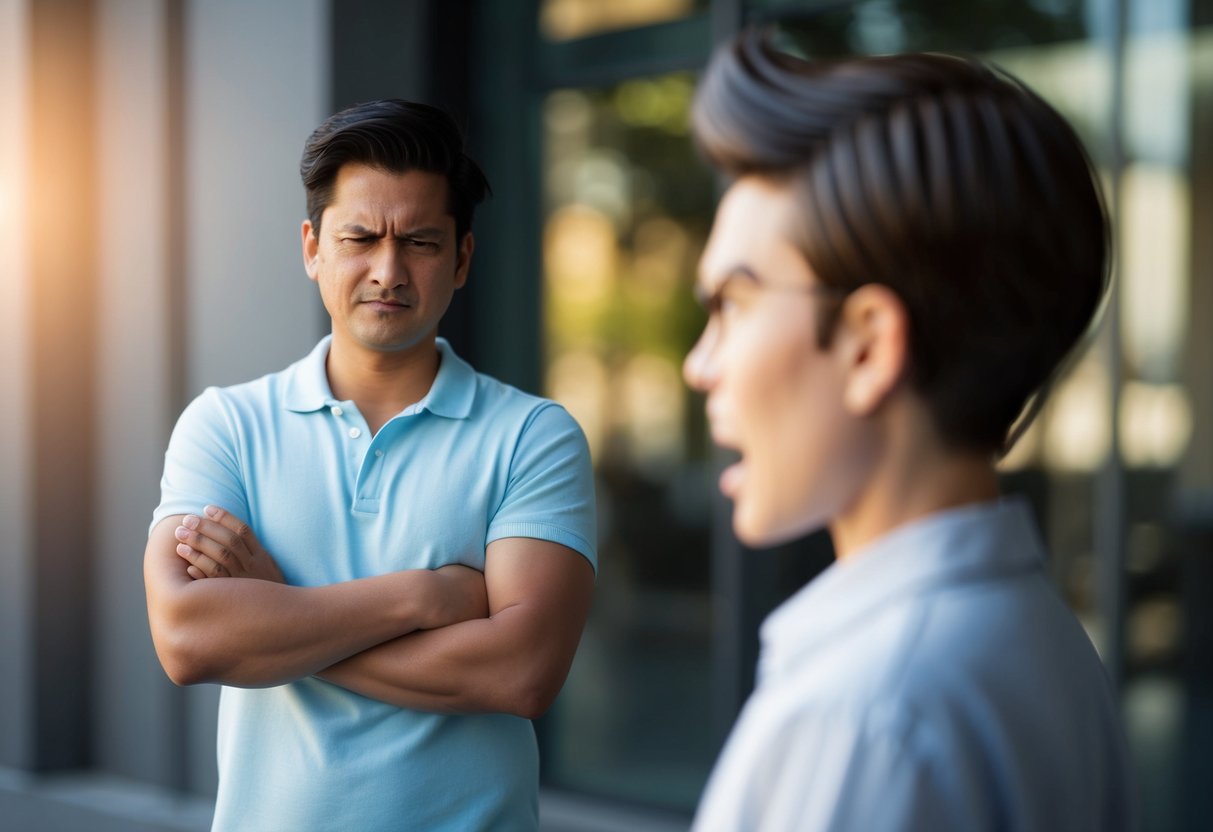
(390, 267)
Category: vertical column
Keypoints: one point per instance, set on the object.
(253, 86)
(16, 654)
(139, 724)
(1196, 471)
(61, 307)
(506, 315)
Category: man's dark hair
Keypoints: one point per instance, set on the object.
(943, 178)
(396, 136)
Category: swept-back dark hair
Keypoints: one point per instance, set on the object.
(943, 178)
(395, 136)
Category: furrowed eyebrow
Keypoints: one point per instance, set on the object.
(423, 232)
(427, 232)
(354, 228)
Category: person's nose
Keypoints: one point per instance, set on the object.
(700, 369)
(389, 268)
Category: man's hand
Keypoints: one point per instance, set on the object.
(261, 631)
(462, 596)
(223, 546)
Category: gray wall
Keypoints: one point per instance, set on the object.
(193, 117)
(15, 635)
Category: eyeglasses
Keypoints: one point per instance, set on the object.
(716, 301)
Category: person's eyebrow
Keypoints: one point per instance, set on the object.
(705, 289)
(425, 231)
(360, 230)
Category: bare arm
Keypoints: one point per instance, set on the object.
(258, 632)
(515, 661)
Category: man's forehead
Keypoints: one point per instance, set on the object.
(372, 198)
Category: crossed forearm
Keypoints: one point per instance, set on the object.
(510, 663)
(250, 629)
(498, 642)
(253, 633)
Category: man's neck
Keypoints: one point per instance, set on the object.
(381, 383)
(915, 477)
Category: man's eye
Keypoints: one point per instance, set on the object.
(428, 245)
(357, 240)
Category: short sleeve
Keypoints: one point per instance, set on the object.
(201, 465)
(550, 491)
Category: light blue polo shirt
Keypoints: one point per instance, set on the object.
(472, 462)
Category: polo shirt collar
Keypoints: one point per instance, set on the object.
(957, 546)
(451, 395)
(307, 384)
(454, 389)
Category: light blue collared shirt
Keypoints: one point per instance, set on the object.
(933, 680)
(474, 461)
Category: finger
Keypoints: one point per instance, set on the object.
(213, 549)
(228, 520)
(217, 532)
(200, 564)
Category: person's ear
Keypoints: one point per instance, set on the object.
(311, 248)
(463, 259)
(873, 341)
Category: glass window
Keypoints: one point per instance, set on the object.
(570, 19)
(628, 207)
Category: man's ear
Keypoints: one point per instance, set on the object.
(873, 341)
(311, 247)
(463, 259)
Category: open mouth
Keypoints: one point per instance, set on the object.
(732, 475)
(732, 478)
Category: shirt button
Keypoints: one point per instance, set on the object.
(378, 453)
(355, 433)
(336, 410)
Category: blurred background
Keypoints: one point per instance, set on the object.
(149, 216)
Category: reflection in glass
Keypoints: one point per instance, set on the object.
(627, 210)
(569, 19)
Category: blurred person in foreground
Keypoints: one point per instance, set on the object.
(383, 556)
(909, 247)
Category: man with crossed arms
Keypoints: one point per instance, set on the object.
(383, 556)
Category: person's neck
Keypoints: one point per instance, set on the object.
(915, 477)
(381, 383)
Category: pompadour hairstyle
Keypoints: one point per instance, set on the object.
(948, 181)
(396, 136)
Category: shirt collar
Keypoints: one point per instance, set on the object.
(961, 545)
(451, 395)
(306, 386)
(454, 389)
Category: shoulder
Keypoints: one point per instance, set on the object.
(240, 402)
(524, 415)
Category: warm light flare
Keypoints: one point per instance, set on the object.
(8, 201)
